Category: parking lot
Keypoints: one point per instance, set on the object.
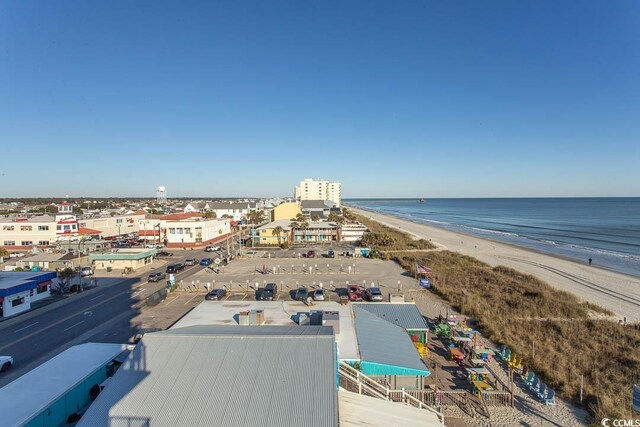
(244, 278)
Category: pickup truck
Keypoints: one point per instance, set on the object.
(6, 362)
(269, 292)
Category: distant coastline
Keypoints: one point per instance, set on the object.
(576, 229)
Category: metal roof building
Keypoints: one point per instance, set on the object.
(48, 394)
(385, 349)
(407, 316)
(224, 376)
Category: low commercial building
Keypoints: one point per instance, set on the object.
(387, 352)
(111, 226)
(62, 386)
(18, 290)
(51, 261)
(353, 231)
(317, 232)
(194, 231)
(285, 211)
(264, 235)
(318, 208)
(121, 259)
(224, 376)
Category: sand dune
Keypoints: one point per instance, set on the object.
(617, 292)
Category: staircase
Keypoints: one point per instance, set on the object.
(355, 381)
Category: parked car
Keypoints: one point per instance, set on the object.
(6, 362)
(86, 272)
(269, 292)
(138, 336)
(180, 266)
(319, 295)
(212, 248)
(373, 294)
(301, 294)
(355, 293)
(206, 261)
(164, 253)
(331, 254)
(154, 245)
(309, 254)
(190, 261)
(216, 295)
(123, 245)
(16, 255)
(156, 277)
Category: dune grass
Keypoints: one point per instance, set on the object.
(517, 310)
(401, 240)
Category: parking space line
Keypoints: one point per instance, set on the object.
(190, 299)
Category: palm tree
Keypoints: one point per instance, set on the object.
(277, 232)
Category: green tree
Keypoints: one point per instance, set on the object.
(334, 217)
(64, 279)
(210, 214)
(4, 253)
(315, 218)
(277, 231)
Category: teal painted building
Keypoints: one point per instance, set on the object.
(48, 394)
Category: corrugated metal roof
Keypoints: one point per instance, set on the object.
(265, 330)
(385, 343)
(407, 316)
(256, 377)
(38, 389)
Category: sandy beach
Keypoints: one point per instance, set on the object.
(616, 292)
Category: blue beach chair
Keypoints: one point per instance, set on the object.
(528, 380)
(551, 398)
(501, 351)
(542, 393)
(535, 385)
(507, 355)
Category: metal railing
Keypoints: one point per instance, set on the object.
(353, 380)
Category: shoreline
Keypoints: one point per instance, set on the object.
(567, 258)
(615, 291)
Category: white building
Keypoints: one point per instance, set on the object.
(353, 232)
(310, 189)
(116, 225)
(19, 289)
(190, 229)
(24, 232)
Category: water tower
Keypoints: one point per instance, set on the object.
(161, 194)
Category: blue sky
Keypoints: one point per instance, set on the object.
(393, 99)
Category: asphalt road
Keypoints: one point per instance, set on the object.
(34, 337)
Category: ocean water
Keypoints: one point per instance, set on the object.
(604, 229)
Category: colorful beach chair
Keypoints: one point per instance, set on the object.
(528, 380)
(535, 385)
(551, 398)
(542, 393)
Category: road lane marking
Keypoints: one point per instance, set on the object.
(51, 325)
(73, 326)
(96, 297)
(23, 328)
